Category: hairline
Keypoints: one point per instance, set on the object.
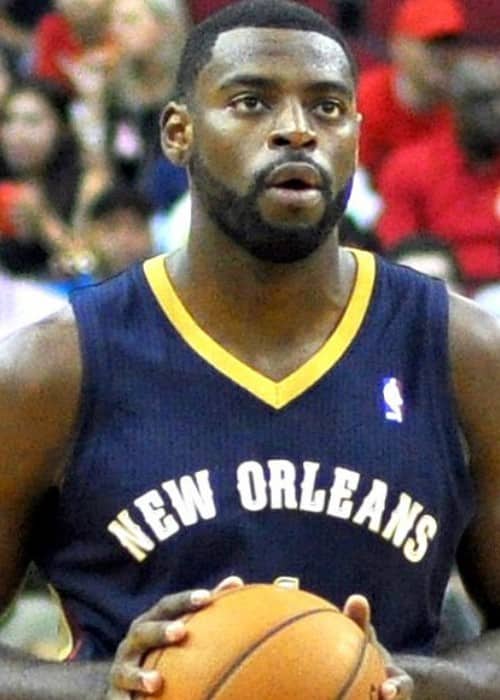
(185, 88)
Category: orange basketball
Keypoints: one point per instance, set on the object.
(267, 642)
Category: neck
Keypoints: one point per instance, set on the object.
(254, 307)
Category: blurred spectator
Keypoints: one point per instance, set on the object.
(119, 231)
(449, 183)
(149, 35)
(428, 254)
(406, 99)
(71, 39)
(7, 75)
(43, 181)
(18, 19)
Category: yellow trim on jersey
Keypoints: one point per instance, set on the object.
(66, 641)
(276, 394)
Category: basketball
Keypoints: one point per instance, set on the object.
(268, 642)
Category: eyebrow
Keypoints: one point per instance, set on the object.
(258, 81)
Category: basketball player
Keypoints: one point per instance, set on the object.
(262, 402)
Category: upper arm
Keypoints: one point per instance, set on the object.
(475, 353)
(39, 390)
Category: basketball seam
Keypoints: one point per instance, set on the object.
(350, 680)
(248, 652)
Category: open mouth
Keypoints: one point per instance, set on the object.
(294, 184)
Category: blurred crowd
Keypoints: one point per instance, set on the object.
(85, 190)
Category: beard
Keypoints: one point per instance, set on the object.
(239, 218)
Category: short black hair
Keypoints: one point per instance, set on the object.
(116, 198)
(276, 14)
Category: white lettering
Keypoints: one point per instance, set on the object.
(252, 486)
(345, 483)
(402, 520)
(130, 536)
(425, 531)
(152, 507)
(192, 497)
(311, 500)
(372, 508)
(282, 484)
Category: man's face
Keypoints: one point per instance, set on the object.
(83, 11)
(477, 101)
(119, 239)
(275, 139)
(428, 64)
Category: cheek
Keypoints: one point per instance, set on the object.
(230, 151)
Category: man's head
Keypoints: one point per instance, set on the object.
(84, 15)
(119, 231)
(423, 38)
(266, 121)
(476, 101)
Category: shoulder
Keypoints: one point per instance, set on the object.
(40, 372)
(40, 377)
(474, 341)
(474, 336)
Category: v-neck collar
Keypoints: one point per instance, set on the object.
(276, 394)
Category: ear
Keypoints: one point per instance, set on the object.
(359, 121)
(176, 133)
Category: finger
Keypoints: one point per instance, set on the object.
(131, 678)
(400, 688)
(229, 583)
(358, 609)
(172, 606)
(150, 635)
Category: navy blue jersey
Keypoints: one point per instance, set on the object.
(189, 465)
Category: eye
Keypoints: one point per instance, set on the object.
(247, 104)
(331, 109)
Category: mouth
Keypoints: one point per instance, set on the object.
(296, 177)
(295, 186)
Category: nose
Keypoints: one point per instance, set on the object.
(292, 129)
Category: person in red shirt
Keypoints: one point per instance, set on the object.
(75, 28)
(449, 183)
(403, 100)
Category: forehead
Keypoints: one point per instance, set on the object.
(28, 101)
(278, 53)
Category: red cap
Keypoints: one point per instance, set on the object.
(428, 19)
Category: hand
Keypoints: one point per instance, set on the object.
(158, 627)
(398, 685)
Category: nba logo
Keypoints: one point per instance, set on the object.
(393, 399)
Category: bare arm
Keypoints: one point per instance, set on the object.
(39, 390)
(473, 670)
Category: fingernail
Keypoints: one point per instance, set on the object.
(175, 631)
(200, 597)
(229, 582)
(149, 680)
(390, 691)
